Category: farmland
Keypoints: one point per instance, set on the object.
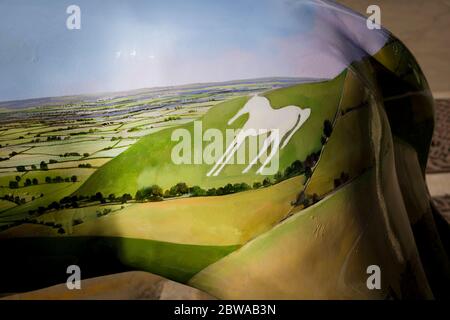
(57, 183)
(98, 171)
(50, 147)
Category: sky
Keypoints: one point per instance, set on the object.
(125, 45)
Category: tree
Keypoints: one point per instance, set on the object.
(267, 182)
(153, 192)
(278, 177)
(196, 191)
(85, 154)
(20, 168)
(48, 179)
(211, 192)
(327, 128)
(181, 188)
(54, 205)
(43, 165)
(139, 195)
(35, 181)
(33, 167)
(18, 178)
(13, 184)
(111, 197)
(257, 185)
(98, 196)
(239, 187)
(73, 178)
(308, 172)
(228, 189)
(125, 197)
(294, 169)
(156, 191)
(27, 182)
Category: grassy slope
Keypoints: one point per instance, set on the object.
(149, 160)
(339, 155)
(174, 261)
(319, 253)
(224, 220)
(52, 192)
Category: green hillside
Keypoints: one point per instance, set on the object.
(149, 162)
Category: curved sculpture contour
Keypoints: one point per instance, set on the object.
(300, 182)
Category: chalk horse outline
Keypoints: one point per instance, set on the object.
(263, 120)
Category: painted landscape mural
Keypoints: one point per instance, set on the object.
(246, 168)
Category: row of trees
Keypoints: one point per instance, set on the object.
(16, 199)
(59, 179)
(156, 193)
(28, 182)
(14, 184)
(42, 166)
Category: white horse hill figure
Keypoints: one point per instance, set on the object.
(280, 125)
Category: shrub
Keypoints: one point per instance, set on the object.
(20, 168)
(266, 182)
(126, 197)
(257, 185)
(179, 189)
(278, 177)
(308, 172)
(211, 192)
(43, 166)
(54, 205)
(196, 191)
(294, 169)
(13, 184)
(98, 196)
(153, 192)
(327, 128)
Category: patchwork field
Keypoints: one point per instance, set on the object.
(93, 181)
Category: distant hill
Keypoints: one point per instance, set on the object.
(54, 101)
